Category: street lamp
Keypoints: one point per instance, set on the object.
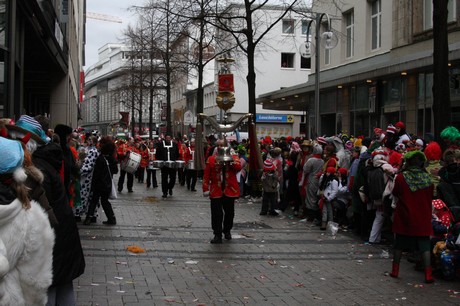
(329, 41)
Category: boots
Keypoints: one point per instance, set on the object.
(110, 221)
(429, 275)
(87, 220)
(395, 270)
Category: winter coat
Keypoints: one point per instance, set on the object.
(162, 150)
(270, 181)
(412, 216)
(102, 177)
(36, 192)
(212, 178)
(26, 252)
(68, 259)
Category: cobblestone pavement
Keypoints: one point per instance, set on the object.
(269, 261)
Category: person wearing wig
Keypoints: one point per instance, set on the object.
(451, 137)
(412, 217)
(328, 188)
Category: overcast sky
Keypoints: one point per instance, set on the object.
(99, 32)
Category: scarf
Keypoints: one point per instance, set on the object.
(417, 178)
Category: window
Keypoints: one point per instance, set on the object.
(428, 13)
(304, 27)
(350, 32)
(305, 63)
(327, 56)
(376, 24)
(288, 26)
(287, 60)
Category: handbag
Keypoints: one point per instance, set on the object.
(113, 192)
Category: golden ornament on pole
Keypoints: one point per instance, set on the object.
(225, 100)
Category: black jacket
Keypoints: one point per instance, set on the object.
(102, 180)
(162, 151)
(68, 259)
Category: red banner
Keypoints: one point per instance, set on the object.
(226, 83)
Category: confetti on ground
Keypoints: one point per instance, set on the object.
(121, 263)
(94, 284)
(120, 291)
(299, 285)
(272, 262)
(191, 262)
(118, 277)
(135, 249)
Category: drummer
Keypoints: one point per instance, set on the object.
(122, 153)
(190, 171)
(167, 150)
(151, 170)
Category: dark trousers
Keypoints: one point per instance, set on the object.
(222, 212)
(121, 180)
(269, 200)
(168, 179)
(104, 203)
(140, 174)
(181, 176)
(190, 178)
(152, 178)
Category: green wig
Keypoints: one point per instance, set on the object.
(450, 133)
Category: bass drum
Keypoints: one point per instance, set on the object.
(131, 162)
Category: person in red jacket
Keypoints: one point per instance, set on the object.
(221, 184)
(412, 227)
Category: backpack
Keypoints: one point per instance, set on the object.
(375, 183)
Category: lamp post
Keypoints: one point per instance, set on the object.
(306, 50)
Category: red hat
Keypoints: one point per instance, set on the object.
(343, 171)
(268, 140)
(438, 204)
(433, 151)
(321, 140)
(330, 170)
(269, 166)
(400, 125)
(378, 131)
(391, 129)
(289, 138)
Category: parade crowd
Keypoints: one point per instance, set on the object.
(389, 188)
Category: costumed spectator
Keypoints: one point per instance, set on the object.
(123, 151)
(433, 154)
(329, 157)
(401, 134)
(101, 184)
(305, 153)
(181, 146)
(270, 186)
(311, 169)
(278, 162)
(412, 217)
(167, 150)
(342, 155)
(219, 182)
(151, 170)
(391, 137)
(292, 194)
(70, 169)
(26, 237)
(190, 171)
(377, 176)
(355, 199)
(86, 170)
(68, 258)
(328, 187)
(449, 185)
(341, 202)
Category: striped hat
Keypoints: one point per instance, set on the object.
(268, 165)
(321, 140)
(27, 124)
(391, 129)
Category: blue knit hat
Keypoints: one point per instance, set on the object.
(27, 124)
(12, 155)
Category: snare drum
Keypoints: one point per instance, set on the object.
(170, 164)
(131, 162)
(158, 164)
(180, 164)
(150, 166)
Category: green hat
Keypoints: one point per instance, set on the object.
(415, 153)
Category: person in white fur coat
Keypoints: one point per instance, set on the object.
(26, 237)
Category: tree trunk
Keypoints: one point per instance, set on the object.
(441, 88)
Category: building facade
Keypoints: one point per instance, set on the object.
(381, 71)
(42, 54)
